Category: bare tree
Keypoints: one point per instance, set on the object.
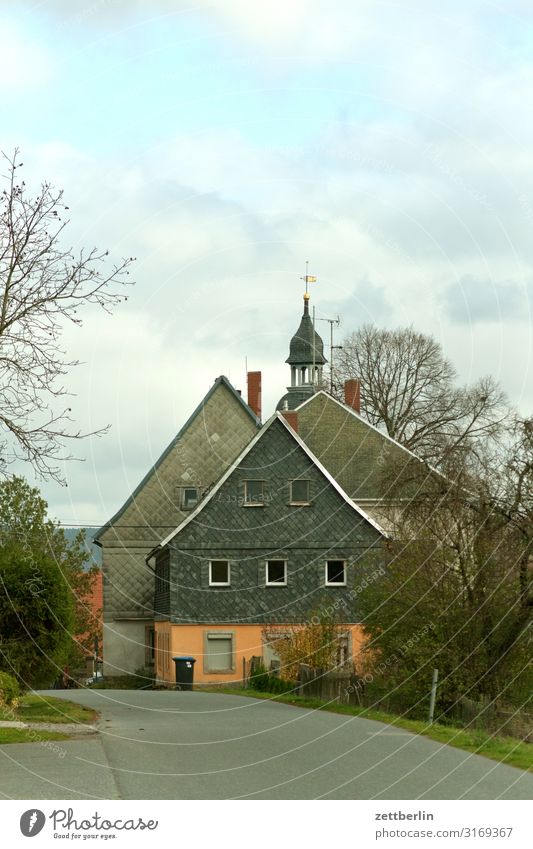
(461, 559)
(43, 283)
(408, 387)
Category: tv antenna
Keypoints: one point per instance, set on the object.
(333, 322)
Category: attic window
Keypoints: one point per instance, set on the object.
(219, 573)
(335, 573)
(299, 492)
(276, 573)
(254, 493)
(189, 497)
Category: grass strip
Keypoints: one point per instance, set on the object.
(35, 708)
(26, 735)
(508, 750)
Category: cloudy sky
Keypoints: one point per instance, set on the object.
(223, 143)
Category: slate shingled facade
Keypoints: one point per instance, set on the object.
(304, 536)
(330, 527)
(203, 449)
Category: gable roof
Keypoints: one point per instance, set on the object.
(373, 428)
(359, 418)
(316, 462)
(220, 381)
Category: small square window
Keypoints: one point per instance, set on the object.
(254, 495)
(219, 573)
(299, 492)
(189, 497)
(276, 573)
(335, 573)
(219, 651)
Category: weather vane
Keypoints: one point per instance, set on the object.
(307, 278)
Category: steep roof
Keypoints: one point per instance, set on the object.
(277, 417)
(306, 345)
(354, 451)
(220, 381)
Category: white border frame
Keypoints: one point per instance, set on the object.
(219, 583)
(275, 583)
(335, 583)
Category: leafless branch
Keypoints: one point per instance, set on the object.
(42, 283)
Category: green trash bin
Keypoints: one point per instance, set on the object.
(184, 672)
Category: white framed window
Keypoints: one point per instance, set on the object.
(276, 573)
(189, 497)
(335, 573)
(219, 573)
(299, 494)
(219, 651)
(254, 493)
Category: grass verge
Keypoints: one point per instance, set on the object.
(26, 735)
(507, 750)
(35, 708)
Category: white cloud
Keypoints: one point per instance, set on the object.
(26, 64)
(218, 280)
(393, 209)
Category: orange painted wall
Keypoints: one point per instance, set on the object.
(189, 639)
(358, 640)
(94, 602)
(174, 640)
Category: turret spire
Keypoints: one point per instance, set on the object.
(306, 358)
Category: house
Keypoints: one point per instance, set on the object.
(206, 445)
(238, 527)
(92, 641)
(275, 540)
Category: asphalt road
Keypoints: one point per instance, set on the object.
(178, 745)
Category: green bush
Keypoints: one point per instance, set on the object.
(264, 682)
(9, 689)
(259, 679)
(38, 574)
(280, 685)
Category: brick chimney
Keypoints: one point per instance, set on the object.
(352, 394)
(254, 392)
(291, 417)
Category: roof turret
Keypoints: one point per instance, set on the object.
(306, 338)
(306, 359)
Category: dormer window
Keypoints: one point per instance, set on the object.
(254, 493)
(299, 494)
(189, 497)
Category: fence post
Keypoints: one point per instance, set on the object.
(433, 695)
